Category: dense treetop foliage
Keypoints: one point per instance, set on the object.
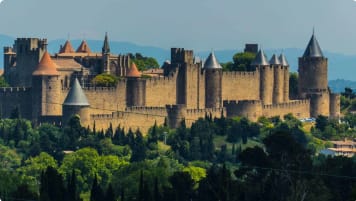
(104, 80)
(214, 159)
(144, 63)
(241, 62)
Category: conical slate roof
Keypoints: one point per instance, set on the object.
(274, 60)
(211, 62)
(76, 96)
(106, 46)
(46, 66)
(67, 48)
(283, 60)
(83, 47)
(260, 59)
(133, 72)
(313, 49)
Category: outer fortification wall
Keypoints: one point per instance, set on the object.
(299, 109)
(241, 85)
(161, 91)
(134, 118)
(252, 109)
(12, 97)
(194, 114)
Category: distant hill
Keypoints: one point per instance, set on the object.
(340, 66)
(339, 85)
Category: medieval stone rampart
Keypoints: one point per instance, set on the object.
(240, 85)
(15, 97)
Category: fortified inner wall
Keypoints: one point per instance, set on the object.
(241, 85)
(161, 91)
(12, 97)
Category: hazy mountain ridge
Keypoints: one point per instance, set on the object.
(340, 66)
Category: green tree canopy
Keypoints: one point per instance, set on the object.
(241, 62)
(144, 63)
(105, 80)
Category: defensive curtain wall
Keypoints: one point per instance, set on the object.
(241, 85)
(147, 116)
(253, 109)
(16, 97)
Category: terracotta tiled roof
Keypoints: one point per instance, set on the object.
(84, 47)
(133, 72)
(67, 48)
(79, 54)
(46, 66)
(66, 63)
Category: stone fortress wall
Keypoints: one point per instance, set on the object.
(184, 92)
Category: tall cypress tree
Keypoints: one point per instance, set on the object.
(72, 188)
(110, 195)
(96, 193)
(140, 188)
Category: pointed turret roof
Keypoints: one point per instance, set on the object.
(133, 72)
(260, 59)
(283, 60)
(46, 66)
(106, 46)
(67, 48)
(313, 49)
(274, 60)
(211, 62)
(83, 47)
(76, 96)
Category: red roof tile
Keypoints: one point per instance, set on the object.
(46, 66)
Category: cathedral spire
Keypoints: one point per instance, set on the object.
(106, 47)
(313, 49)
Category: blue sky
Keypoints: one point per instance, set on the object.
(195, 24)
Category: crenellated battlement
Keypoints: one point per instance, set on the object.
(240, 74)
(204, 111)
(170, 78)
(227, 103)
(14, 89)
(287, 105)
(99, 89)
(148, 110)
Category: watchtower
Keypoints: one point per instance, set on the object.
(266, 77)
(313, 78)
(213, 82)
(46, 89)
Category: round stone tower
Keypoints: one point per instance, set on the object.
(213, 82)
(76, 103)
(175, 115)
(46, 88)
(135, 88)
(313, 78)
(285, 66)
(266, 77)
(278, 76)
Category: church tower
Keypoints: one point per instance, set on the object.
(313, 78)
(106, 55)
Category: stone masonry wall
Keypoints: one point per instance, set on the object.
(299, 109)
(241, 86)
